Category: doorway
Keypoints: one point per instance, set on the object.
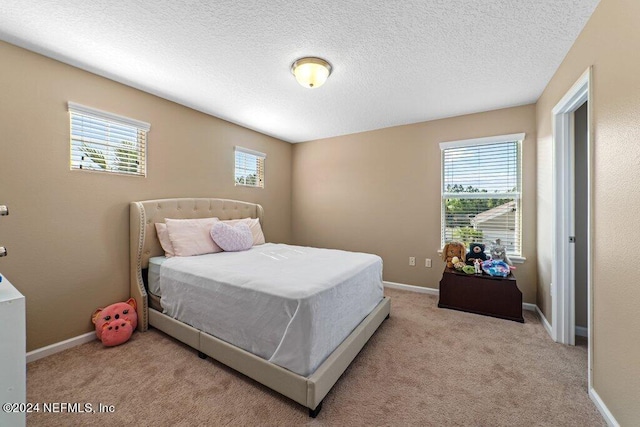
(580, 151)
(572, 229)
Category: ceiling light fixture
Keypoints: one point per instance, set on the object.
(311, 72)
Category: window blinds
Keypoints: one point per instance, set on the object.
(249, 168)
(481, 187)
(105, 142)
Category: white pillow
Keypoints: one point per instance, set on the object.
(254, 226)
(232, 238)
(165, 242)
(191, 236)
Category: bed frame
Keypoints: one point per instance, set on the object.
(144, 244)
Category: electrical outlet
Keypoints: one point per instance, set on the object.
(412, 261)
(427, 262)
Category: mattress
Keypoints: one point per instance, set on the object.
(153, 279)
(290, 305)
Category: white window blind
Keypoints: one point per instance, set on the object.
(249, 169)
(106, 142)
(481, 191)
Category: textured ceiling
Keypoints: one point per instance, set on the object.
(394, 61)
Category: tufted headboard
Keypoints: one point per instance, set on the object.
(144, 243)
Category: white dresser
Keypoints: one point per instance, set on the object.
(13, 345)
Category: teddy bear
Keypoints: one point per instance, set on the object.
(115, 323)
(453, 249)
(476, 251)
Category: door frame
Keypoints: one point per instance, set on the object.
(563, 256)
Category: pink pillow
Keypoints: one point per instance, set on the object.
(232, 238)
(254, 226)
(163, 236)
(191, 236)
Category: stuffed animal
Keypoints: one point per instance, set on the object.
(468, 269)
(453, 249)
(476, 251)
(457, 264)
(494, 267)
(499, 252)
(116, 323)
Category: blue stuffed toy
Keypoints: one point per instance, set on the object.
(496, 268)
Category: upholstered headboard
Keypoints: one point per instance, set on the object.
(144, 243)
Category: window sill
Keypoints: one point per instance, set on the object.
(247, 185)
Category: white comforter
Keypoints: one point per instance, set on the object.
(290, 305)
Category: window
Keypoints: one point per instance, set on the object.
(249, 167)
(481, 191)
(106, 142)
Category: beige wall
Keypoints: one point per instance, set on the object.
(379, 192)
(610, 42)
(375, 191)
(67, 234)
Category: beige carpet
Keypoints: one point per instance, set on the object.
(425, 366)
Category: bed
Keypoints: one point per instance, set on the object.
(302, 364)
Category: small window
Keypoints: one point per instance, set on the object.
(105, 142)
(249, 169)
(481, 191)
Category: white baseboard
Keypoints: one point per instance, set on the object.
(545, 322)
(432, 291)
(412, 288)
(581, 331)
(39, 353)
(604, 411)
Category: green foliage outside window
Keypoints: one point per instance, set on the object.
(461, 211)
(125, 160)
(248, 180)
(467, 235)
(470, 206)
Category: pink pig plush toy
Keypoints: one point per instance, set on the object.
(116, 323)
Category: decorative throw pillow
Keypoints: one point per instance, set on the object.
(191, 236)
(165, 242)
(232, 238)
(254, 226)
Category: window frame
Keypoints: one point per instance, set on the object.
(518, 138)
(80, 110)
(258, 156)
